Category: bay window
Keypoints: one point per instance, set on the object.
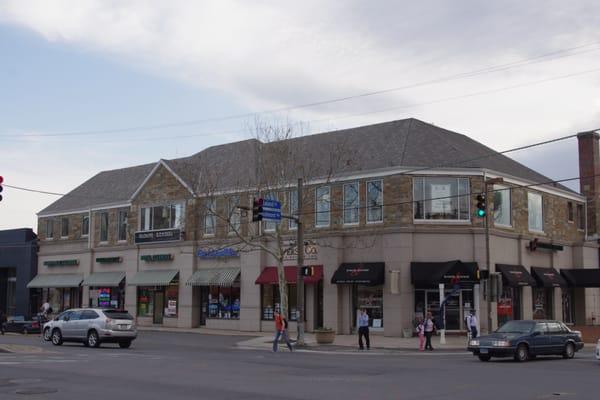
(168, 216)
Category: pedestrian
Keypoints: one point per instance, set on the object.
(421, 333)
(3, 320)
(472, 324)
(429, 328)
(281, 326)
(363, 329)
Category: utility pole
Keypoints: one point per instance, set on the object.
(300, 276)
(487, 183)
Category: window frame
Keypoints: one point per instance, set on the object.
(233, 211)
(570, 212)
(293, 209)
(503, 189)
(209, 213)
(380, 204)
(84, 224)
(581, 217)
(529, 202)
(146, 216)
(122, 224)
(467, 195)
(104, 227)
(64, 224)
(327, 202)
(50, 228)
(357, 207)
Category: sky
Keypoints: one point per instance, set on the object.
(93, 85)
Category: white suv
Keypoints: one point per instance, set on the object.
(91, 326)
(598, 350)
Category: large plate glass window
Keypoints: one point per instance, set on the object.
(323, 206)
(351, 203)
(502, 206)
(122, 225)
(270, 301)
(224, 302)
(441, 198)
(375, 201)
(210, 210)
(536, 212)
(104, 227)
(168, 216)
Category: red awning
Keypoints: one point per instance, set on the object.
(268, 276)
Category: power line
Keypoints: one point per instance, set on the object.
(462, 75)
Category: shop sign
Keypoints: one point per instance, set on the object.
(217, 253)
(104, 297)
(157, 257)
(163, 235)
(57, 263)
(171, 309)
(311, 252)
(109, 260)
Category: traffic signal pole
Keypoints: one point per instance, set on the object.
(299, 276)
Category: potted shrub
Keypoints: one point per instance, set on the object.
(324, 335)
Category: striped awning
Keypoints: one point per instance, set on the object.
(55, 281)
(214, 277)
(107, 279)
(153, 278)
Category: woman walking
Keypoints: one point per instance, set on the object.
(429, 328)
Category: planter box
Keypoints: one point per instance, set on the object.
(325, 337)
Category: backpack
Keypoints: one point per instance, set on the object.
(285, 323)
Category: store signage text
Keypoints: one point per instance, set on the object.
(217, 253)
(165, 235)
(109, 260)
(157, 257)
(57, 263)
(311, 252)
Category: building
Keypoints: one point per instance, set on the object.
(390, 223)
(18, 265)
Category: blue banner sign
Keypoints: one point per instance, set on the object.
(271, 215)
(217, 253)
(274, 204)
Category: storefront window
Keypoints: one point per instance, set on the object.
(509, 304)
(145, 302)
(371, 299)
(172, 297)
(270, 301)
(224, 302)
(61, 299)
(567, 306)
(458, 306)
(105, 297)
(542, 303)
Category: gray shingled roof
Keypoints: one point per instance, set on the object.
(405, 143)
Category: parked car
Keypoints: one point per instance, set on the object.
(91, 326)
(19, 324)
(526, 339)
(598, 350)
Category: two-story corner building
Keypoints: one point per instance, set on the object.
(391, 226)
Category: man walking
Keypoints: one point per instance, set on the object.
(472, 324)
(281, 330)
(429, 329)
(363, 329)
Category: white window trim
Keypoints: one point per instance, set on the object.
(344, 223)
(468, 221)
(317, 225)
(367, 200)
(163, 204)
(504, 226)
(442, 221)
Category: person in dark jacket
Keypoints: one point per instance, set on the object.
(2, 321)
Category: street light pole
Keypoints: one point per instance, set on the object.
(300, 276)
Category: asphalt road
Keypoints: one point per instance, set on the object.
(172, 366)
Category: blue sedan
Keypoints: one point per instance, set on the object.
(525, 339)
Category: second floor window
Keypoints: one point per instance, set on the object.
(122, 225)
(85, 225)
(168, 216)
(323, 206)
(210, 209)
(441, 198)
(375, 201)
(351, 203)
(49, 229)
(580, 217)
(104, 227)
(64, 227)
(570, 216)
(234, 214)
(502, 205)
(536, 212)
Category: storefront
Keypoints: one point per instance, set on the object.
(547, 280)
(367, 281)
(157, 296)
(219, 293)
(573, 296)
(270, 296)
(106, 289)
(61, 291)
(514, 277)
(458, 278)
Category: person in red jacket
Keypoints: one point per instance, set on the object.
(281, 330)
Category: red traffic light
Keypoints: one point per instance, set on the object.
(1, 188)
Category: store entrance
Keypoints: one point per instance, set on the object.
(203, 305)
(457, 308)
(159, 305)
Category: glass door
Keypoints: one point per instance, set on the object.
(159, 297)
(203, 304)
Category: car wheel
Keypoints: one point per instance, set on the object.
(57, 339)
(92, 339)
(569, 351)
(484, 357)
(47, 336)
(125, 344)
(522, 353)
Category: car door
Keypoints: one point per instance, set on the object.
(70, 325)
(539, 343)
(558, 337)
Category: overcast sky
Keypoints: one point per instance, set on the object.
(89, 68)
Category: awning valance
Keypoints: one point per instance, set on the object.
(548, 277)
(107, 279)
(153, 278)
(515, 275)
(434, 273)
(268, 276)
(360, 273)
(214, 277)
(55, 281)
(582, 277)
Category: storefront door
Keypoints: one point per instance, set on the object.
(509, 304)
(159, 297)
(371, 299)
(457, 306)
(203, 304)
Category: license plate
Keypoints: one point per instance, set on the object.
(483, 351)
(123, 327)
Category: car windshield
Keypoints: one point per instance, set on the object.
(516, 327)
(118, 314)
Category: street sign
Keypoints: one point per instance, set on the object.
(274, 204)
(271, 215)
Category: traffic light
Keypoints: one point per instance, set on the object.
(481, 207)
(308, 271)
(257, 209)
(1, 188)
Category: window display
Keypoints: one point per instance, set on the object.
(224, 302)
(270, 302)
(371, 299)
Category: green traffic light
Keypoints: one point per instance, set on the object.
(481, 213)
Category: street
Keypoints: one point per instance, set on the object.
(185, 366)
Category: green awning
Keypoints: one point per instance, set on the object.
(214, 277)
(154, 278)
(107, 279)
(55, 281)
